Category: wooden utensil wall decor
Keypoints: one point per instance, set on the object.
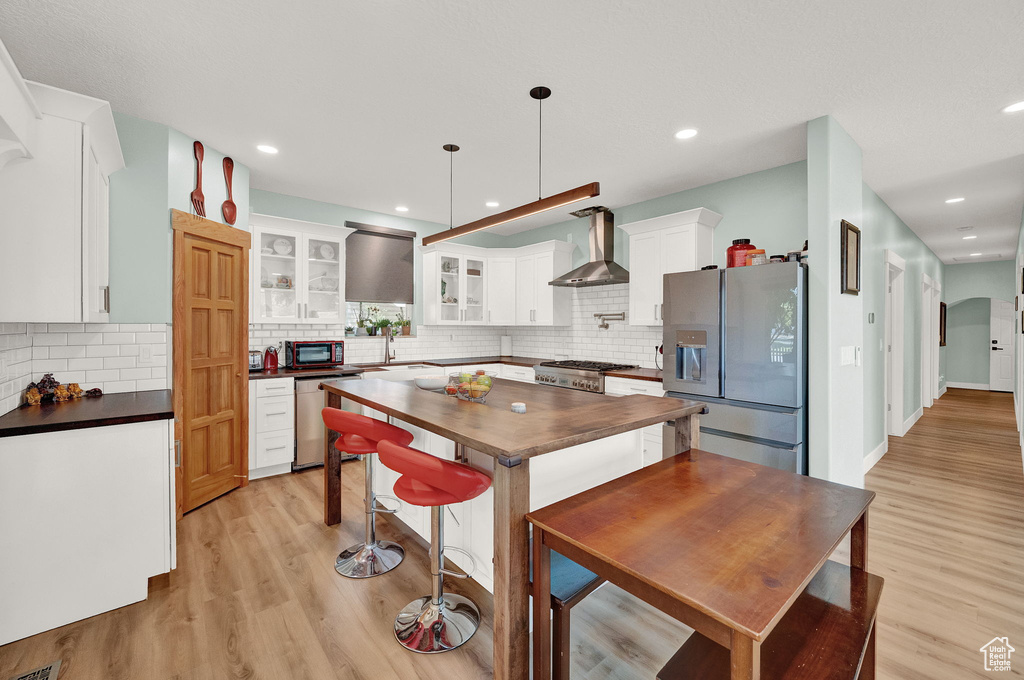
(197, 194)
(228, 208)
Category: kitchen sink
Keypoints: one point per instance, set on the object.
(408, 367)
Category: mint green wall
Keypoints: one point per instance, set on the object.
(769, 207)
(140, 255)
(294, 207)
(883, 230)
(159, 174)
(835, 403)
(977, 280)
(967, 341)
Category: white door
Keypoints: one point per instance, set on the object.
(645, 279)
(544, 298)
(501, 291)
(1001, 363)
(526, 290)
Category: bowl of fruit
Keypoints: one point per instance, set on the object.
(471, 386)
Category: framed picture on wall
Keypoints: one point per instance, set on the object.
(942, 324)
(849, 268)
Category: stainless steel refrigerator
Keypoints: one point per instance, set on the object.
(736, 339)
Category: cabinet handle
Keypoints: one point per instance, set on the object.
(275, 448)
(177, 453)
(488, 316)
(655, 311)
(637, 389)
(661, 311)
(277, 413)
(105, 292)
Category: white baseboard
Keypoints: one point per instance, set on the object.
(942, 390)
(876, 455)
(968, 386)
(909, 422)
(270, 471)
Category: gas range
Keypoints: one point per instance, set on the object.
(576, 375)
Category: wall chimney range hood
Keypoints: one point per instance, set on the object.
(602, 270)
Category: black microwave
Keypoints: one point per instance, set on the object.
(314, 353)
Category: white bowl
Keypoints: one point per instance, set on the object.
(431, 382)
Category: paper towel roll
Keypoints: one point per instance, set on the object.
(506, 345)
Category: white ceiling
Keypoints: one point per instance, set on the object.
(360, 97)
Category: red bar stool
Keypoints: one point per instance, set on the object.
(360, 435)
(437, 622)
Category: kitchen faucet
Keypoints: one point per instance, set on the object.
(389, 352)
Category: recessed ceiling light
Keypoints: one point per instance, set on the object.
(266, 148)
(492, 204)
(954, 200)
(968, 238)
(688, 133)
(975, 254)
(401, 208)
(1014, 108)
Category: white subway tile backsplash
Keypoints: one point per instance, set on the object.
(150, 337)
(85, 338)
(102, 375)
(101, 351)
(118, 338)
(67, 352)
(49, 339)
(136, 373)
(119, 362)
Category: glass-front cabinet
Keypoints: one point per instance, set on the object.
(298, 273)
(458, 295)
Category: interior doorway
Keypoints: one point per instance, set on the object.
(1001, 353)
(931, 293)
(895, 268)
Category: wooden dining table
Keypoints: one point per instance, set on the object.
(556, 419)
(729, 548)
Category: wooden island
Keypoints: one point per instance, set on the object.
(556, 419)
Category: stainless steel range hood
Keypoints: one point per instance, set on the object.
(602, 270)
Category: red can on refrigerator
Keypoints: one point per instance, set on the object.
(736, 254)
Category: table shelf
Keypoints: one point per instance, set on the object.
(827, 633)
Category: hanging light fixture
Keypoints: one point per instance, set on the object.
(451, 149)
(580, 193)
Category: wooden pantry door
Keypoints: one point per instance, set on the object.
(211, 363)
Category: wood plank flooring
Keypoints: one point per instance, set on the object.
(255, 594)
(947, 535)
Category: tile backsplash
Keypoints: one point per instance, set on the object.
(583, 340)
(113, 357)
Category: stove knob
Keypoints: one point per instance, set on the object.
(575, 383)
(592, 385)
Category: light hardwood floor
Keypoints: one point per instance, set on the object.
(255, 594)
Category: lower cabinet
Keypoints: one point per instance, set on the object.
(86, 518)
(271, 426)
(520, 373)
(652, 440)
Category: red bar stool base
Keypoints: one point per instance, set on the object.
(430, 628)
(366, 560)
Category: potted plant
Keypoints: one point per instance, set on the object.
(372, 319)
(384, 324)
(361, 325)
(406, 324)
(349, 330)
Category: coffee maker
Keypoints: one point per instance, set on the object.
(270, 359)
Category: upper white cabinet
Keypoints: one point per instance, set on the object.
(455, 285)
(298, 271)
(496, 286)
(54, 266)
(537, 302)
(679, 242)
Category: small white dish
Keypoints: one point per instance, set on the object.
(327, 252)
(430, 382)
(282, 246)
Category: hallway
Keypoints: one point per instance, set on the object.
(947, 534)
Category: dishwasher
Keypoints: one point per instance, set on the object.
(311, 437)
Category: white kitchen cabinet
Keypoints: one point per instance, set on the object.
(19, 115)
(520, 373)
(501, 291)
(298, 271)
(679, 242)
(56, 270)
(86, 519)
(652, 438)
(537, 302)
(455, 285)
(271, 426)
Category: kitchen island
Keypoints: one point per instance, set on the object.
(556, 419)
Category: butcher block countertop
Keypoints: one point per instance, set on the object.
(554, 419)
(110, 409)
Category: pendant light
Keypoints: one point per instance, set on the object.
(580, 193)
(451, 149)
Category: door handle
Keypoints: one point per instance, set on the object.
(997, 349)
(177, 453)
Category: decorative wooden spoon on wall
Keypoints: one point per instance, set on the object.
(228, 207)
(197, 194)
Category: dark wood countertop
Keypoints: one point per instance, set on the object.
(733, 540)
(333, 371)
(554, 419)
(462, 361)
(651, 374)
(110, 409)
